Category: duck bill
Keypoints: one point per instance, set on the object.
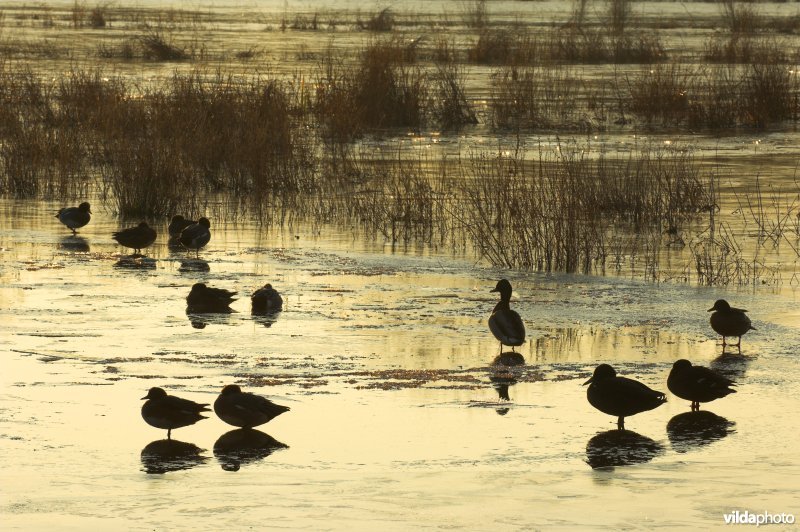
(493, 290)
(145, 397)
(709, 310)
(590, 380)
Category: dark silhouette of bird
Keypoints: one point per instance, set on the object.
(178, 224)
(169, 412)
(245, 410)
(196, 235)
(136, 238)
(266, 300)
(75, 217)
(505, 324)
(203, 298)
(729, 321)
(697, 383)
(619, 396)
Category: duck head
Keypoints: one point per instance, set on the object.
(155, 393)
(681, 365)
(504, 287)
(204, 222)
(143, 225)
(177, 218)
(720, 305)
(231, 389)
(601, 372)
(85, 207)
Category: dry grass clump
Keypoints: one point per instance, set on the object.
(740, 17)
(558, 213)
(158, 45)
(383, 21)
(737, 48)
(450, 108)
(751, 96)
(535, 98)
(383, 90)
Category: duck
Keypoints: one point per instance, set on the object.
(505, 324)
(203, 298)
(697, 384)
(75, 217)
(165, 411)
(729, 321)
(137, 238)
(619, 396)
(245, 410)
(266, 300)
(178, 224)
(196, 235)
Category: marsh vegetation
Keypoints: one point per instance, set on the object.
(467, 130)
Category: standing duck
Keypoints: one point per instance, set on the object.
(178, 224)
(505, 324)
(729, 321)
(196, 235)
(618, 396)
(75, 217)
(137, 238)
(697, 383)
(266, 300)
(245, 410)
(203, 298)
(169, 412)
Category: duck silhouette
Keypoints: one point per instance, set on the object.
(619, 396)
(75, 217)
(196, 235)
(204, 298)
(266, 300)
(697, 384)
(165, 411)
(245, 410)
(505, 324)
(729, 321)
(178, 224)
(136, 238)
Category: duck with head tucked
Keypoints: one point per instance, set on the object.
(136, 238)
(165, 411)
(245, 410)
(178, 224)
(505, 324)
(75, 217)
(266, 300)
(697, 383)
(196, 235)
(618, 396)
(203, 298)
(729, 321)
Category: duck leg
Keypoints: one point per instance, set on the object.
(169, 434)
(695, 406)
(621, 423)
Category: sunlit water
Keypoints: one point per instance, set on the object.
(385, 359)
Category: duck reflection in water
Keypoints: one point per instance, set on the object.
(193, 265)
(205, 299)
(200, 320)
(733, 366)
(501, 383)
(135, 262)
(620, 447)
(242, 446)
(163, 456)
(74, 243)
(695, 429)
